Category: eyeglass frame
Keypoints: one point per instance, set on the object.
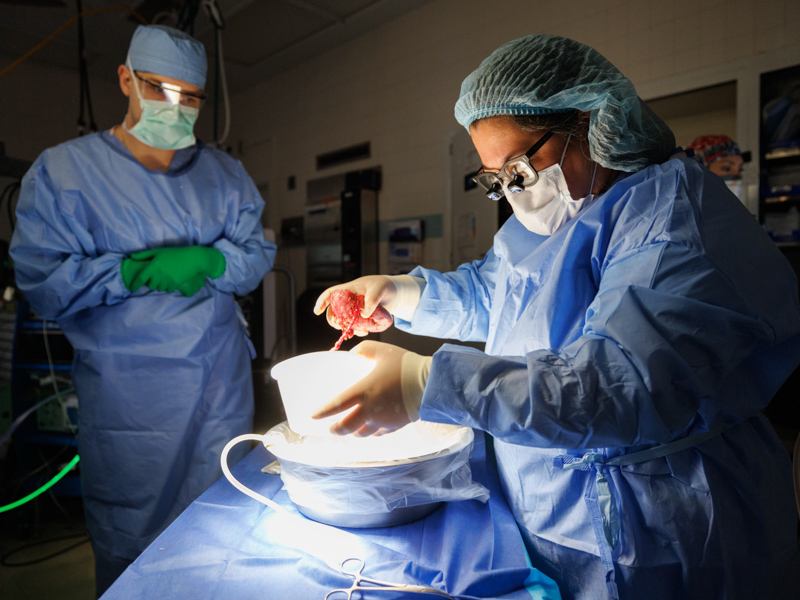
(526, 158)
(159, 87)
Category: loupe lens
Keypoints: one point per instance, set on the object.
(521, 174)
(496, 192)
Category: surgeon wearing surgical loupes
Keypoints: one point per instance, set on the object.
(135, 240)
(636, 319)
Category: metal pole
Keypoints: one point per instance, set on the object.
(292, 309)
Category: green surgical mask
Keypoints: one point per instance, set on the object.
(164, 125)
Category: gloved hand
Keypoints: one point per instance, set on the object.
(130, 270)
(388, 398)
(182, 269)
(378, 290)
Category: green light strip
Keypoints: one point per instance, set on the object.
(42, 489)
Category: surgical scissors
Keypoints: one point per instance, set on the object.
(352, 567)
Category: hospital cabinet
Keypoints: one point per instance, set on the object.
(779, 177)
(779, 198)
(340, 235)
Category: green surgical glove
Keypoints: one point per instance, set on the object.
(171, 269)
(130, 270)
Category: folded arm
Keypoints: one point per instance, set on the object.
(56, 262)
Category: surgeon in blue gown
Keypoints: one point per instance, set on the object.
(136, 241)
(637, 320)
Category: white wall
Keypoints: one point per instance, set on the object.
(396, 86)
(721, 122)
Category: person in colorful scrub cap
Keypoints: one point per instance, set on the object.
(636, 320)
(136, 240)
(719, 154)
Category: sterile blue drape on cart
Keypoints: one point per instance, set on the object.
(227, 545)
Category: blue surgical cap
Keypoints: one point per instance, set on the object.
(169, 52)
(545, 74)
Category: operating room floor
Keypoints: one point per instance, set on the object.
(70, 576)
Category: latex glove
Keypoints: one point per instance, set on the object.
(382, 404)
(182, 269)
(377, 290)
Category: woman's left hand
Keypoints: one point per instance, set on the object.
(378, 396)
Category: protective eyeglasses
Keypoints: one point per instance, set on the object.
(518, 172)
(173, 94)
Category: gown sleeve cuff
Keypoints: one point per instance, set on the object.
(217, 263)
(414, 370)
(409, 290)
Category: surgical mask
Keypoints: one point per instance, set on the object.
(547, 205)
(162, 124)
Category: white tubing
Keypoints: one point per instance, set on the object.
(223, 459)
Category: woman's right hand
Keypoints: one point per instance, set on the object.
(378, 397)
(377, 290)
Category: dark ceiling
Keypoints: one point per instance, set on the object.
(260, 39)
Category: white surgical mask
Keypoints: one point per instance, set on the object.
(545, 206)
(163, 125)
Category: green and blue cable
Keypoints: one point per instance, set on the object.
(60, 474)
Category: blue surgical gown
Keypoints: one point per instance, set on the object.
(163, 381)
(660, 311)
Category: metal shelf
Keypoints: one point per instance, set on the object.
(42, 367)
(782, 150)
(786, 194)
(49, 439)
(40, 325)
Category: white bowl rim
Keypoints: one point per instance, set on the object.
(275, 371)
(284, 452)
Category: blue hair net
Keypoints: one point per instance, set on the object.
(544, 74)
(169, 52)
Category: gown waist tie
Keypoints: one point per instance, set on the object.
(604, 512)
